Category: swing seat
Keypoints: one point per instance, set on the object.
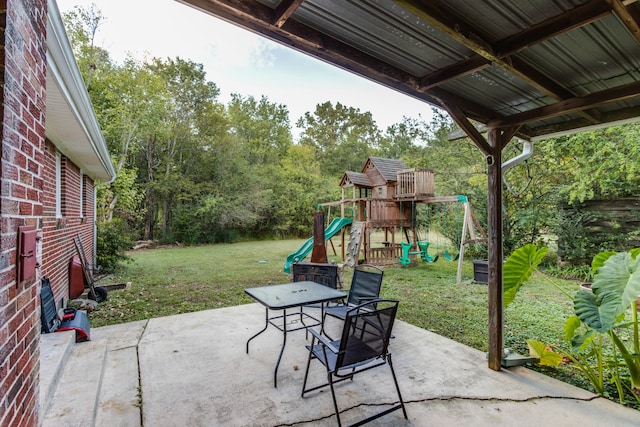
(448, 256)
(404, 259)
(428, 258)
(424, 254)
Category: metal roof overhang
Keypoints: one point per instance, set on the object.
(529, 68)
(548, 66)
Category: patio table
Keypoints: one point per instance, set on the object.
(287, 296)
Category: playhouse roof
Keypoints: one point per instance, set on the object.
(355, 178)
(388, 168)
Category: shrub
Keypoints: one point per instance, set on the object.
(111, 243)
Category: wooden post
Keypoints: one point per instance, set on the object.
(492, 149)
(494, 219)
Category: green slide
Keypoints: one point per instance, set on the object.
(336, 225)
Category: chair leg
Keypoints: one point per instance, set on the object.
(306, 372)
(395, 380)
(333, 395)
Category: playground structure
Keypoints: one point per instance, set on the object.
(384, 203)
(336, 225)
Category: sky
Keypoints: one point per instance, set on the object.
(240, 62)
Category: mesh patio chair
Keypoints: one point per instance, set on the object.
(365, 286)
(364, 345)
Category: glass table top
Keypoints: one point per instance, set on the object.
(293, 294)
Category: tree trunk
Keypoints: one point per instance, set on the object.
(149, 211)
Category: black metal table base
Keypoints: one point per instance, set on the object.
(283, 327)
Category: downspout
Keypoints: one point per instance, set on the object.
(527, 151)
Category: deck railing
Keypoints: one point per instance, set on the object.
(415, 182)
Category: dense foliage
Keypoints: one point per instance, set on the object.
(193, 170)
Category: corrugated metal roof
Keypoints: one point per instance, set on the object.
(548, 66)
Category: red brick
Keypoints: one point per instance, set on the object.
(33, 194)
(38, 183)
(28, 118)
(9, 172)
(26, 208)
(28, 148)
(33, 138)
(33, 167)
(10, 207)
(19, 159)
(25, 177)
(18, 191)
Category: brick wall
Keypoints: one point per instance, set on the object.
(23, 69)
(28, 197)
(58, 232)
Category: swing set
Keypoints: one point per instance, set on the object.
(466, 235)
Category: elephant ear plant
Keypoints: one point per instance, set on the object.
(602, 337)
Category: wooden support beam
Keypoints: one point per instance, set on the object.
(570, 20)
(495, 237)
(628, 15)
(459, 117)
(620, 93)
(284, 11)
(455, 71)
(463, 31)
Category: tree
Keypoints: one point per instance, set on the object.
(343, 137)
(262, 127)
(600, 164)
(173, 145)
(403, 140)
(81, 26)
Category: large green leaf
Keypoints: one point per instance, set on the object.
(519, 267)
(620, 274)
(541, 351)
(571, 325)
(597, 311)
(599, 260)
(580, 342)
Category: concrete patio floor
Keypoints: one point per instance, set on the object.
(192, 370)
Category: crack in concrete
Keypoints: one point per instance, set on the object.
(443, 399)
(497, 399)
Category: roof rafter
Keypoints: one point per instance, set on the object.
(285, 10)
(570, 20)
(629, 14)
(464, 33)
(620, 93)
(454, 71)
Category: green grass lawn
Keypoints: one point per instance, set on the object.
(180, 280)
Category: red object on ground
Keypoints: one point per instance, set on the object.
(76, 278)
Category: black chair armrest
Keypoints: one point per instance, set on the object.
(324, 341)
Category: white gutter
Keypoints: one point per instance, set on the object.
(527, 151)
(63, 68)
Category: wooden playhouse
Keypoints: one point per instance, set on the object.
(382, 199)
